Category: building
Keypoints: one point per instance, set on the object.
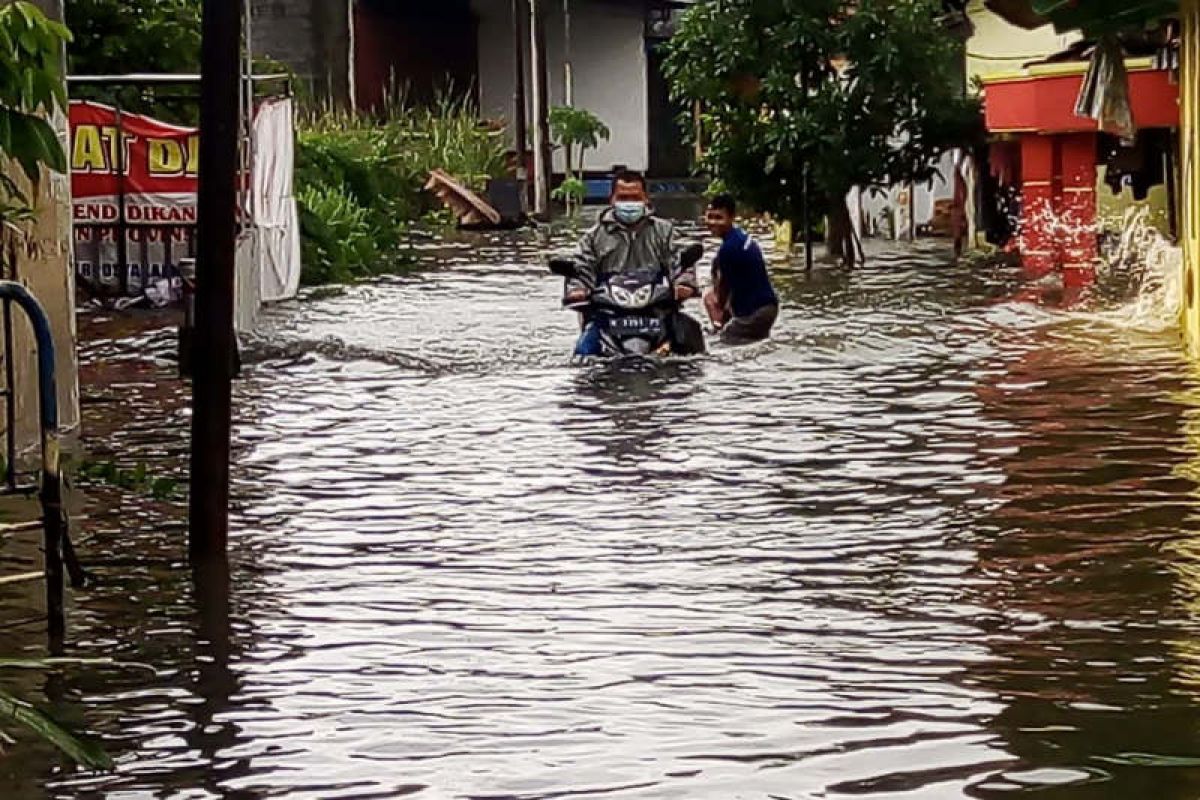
(362, 53)
(1072, 184)
(1061, 163)
(998, 46)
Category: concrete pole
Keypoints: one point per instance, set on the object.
(520, 134)
(220, 68)
(541, 111)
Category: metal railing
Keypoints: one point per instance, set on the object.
(57, 548)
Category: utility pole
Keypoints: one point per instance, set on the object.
(520, 135)
(220, 62)
(541, 111)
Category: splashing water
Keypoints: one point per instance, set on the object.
(1138, 271)
(1144, 268)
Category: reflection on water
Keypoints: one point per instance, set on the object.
(927, 542)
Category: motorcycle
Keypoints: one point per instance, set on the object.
(636, 312)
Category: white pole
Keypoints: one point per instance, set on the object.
(568, 72)
(541, 170)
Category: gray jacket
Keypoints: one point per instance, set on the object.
(611, 248)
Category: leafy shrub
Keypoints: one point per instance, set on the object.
(360, 179)
(337, 240)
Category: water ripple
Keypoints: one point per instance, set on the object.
(928, 542)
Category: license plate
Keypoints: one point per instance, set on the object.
(635, 325)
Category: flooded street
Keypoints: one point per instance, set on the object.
(929, 542)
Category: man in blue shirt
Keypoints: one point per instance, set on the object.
(741, 303)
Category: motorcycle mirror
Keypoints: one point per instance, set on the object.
(690, 255)
(564, 267)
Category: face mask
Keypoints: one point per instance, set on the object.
(630, 212)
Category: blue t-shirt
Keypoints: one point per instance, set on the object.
(744, 274)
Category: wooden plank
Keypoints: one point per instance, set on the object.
(24, 577)
(468, 206)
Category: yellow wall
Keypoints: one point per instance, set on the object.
(1190, 161)
(1111, 208)
(998, 47)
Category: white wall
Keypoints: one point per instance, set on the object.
(608, 53)
(998, 47)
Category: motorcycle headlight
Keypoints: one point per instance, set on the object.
(621, 295)
(642, 295)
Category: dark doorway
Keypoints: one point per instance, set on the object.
(670, 156)
(417, 51)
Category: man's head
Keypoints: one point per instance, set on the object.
(721, 215)
(629, 199)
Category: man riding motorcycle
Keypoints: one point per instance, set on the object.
(629, 237)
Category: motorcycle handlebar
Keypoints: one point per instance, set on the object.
(567, 267)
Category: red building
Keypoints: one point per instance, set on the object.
(1053, 154)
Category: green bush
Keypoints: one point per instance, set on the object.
(360, 179)
(338, 242)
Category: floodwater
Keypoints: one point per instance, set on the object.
(929, 542)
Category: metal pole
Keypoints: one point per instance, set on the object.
(912, 211)
(568, 76)
(520, 135)
(122, 217)
(805, 220)
(54, 520)
(247, 153)
(10, 409)
(220, 57)
(541, 121)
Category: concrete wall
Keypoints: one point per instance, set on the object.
(998, 47)
(608, 53)
(313, 37)
(42, 259)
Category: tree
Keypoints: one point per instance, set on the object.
(575, 129)
(854, 94)
(31, 87)
(120, 36)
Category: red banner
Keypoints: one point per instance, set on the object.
(151, 164)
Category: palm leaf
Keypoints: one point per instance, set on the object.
(88, 754)
(43, 663)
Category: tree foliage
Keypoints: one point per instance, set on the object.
(31, 87)
(860, 94)
(121, 36)
(575, 130)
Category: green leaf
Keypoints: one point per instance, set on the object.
(88, 754)
(43, 663)
(1150, 760)
(49, 149)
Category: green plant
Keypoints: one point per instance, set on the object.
(359, 179)
(137, 479)
(820, 93)
(571, 191)
(31, 87)
(21, 713)
(337, 240)
(18, 712)
(576, 129)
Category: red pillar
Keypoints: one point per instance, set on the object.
(1038, 211)
(1078, 209)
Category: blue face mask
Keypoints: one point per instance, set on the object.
(629, 212)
